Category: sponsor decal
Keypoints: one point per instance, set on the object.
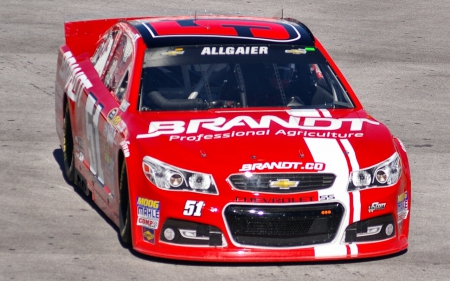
(121, 126)
(109, 132)
(109, 164)
(307, 123)
(113, 118)
(220, 136)
(176, 52)
(112, 113)
(79, 155)
(148, 235)
(124, 105)
(253, 50)
(402, 206)
(116, 121)
(376, 206)
(283, 166)
(93, 109)
(126, 149)
(296, 51)
(151, 223)
(193, 208)
(79, 142)
(318, 134)
(107, 155)
(76, 80)
(148, 212)
(327, 197)
(275, 200)
(79, 148)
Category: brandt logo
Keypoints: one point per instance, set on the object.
(300, 120)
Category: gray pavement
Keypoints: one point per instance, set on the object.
(394, 54)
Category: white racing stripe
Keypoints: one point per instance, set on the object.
(355, 194)
(355, 166)
(329, 151)
(325, 112)
(353, 249)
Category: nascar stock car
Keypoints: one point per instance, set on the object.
(227, 138)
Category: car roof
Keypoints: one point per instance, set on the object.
(208, 30)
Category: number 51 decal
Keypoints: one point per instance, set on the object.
(193, 208)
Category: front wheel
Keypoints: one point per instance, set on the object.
(69, 167)
(124, 208)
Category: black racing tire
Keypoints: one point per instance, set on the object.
(68, 147)
(124, 208)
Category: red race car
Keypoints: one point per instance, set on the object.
(219, 138)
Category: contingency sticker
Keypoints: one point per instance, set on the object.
(402, 206)
(148, 212)
(148, 235)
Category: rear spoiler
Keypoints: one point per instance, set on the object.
(82, 36)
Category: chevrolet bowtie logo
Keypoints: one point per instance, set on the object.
(283, 184)
(176, 52)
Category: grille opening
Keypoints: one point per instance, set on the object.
(283, 226)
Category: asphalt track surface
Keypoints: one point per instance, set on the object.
(394, 54)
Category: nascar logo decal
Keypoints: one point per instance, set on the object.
(256, 30)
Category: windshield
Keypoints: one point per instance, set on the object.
(235, 76)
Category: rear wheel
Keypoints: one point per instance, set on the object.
(124, 208)
(68, 148)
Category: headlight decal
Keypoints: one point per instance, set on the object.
(169, 177)
(386, 173)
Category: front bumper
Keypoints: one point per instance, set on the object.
(249, 227)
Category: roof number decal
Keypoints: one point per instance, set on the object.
(259, 30)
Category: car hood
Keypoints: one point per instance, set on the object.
(231, 142)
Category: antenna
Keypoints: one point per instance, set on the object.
(279, 15)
